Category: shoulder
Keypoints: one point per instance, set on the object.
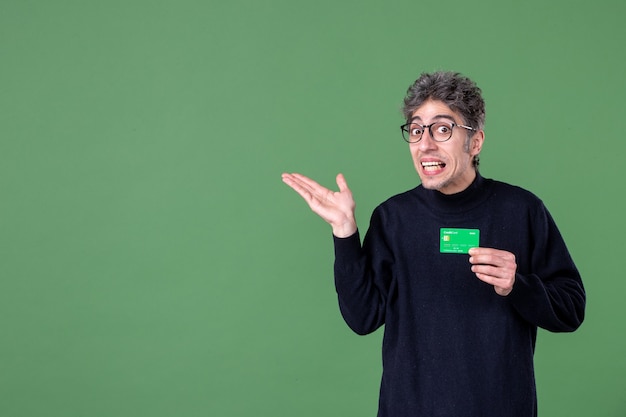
(396, 207)
(398, 201)
(512, 194)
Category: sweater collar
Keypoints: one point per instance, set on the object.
(465, 200)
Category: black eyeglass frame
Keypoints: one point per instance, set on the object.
(404, 128)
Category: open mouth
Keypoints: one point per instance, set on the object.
(433, 166)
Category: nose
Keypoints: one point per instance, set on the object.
(427, 142)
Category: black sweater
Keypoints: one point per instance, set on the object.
(452, 346)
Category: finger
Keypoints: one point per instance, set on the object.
(489, 251)
(487, 270)
(502, 286)
(303, 192)
(298, 186)
(308, 182)
(313, 187)
(481, 259)
(491, 257)
(486, 260)
(300, 182)
(342, 183)
(486, 278)
(290, 180)
(494, 278)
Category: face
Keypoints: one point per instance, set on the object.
(445, 166)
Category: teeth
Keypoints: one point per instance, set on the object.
(432, 166)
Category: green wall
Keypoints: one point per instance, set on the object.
(152, 262)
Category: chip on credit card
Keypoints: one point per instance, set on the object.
(458, 240)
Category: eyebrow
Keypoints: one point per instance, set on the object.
(439, 116)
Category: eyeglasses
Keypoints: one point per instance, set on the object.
(439, 131)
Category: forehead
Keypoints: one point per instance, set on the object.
(433, 110)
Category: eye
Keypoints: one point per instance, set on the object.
(415, 130)
(443, 128)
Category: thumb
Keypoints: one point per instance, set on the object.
(341, 183)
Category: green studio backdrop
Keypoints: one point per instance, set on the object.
(152, 262)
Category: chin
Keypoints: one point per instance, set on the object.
(433, 185)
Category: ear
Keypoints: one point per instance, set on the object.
(476, 143)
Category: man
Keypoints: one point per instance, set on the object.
(460, 330)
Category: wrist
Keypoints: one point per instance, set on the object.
(345, 229)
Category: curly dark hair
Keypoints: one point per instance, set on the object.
(456, 91)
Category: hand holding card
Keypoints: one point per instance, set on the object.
(495, 267)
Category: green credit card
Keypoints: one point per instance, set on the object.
(458, 240)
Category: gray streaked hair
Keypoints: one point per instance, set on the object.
(456, 91)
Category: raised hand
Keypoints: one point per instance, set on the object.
(336, 208)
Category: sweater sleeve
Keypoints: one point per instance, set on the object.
(362, 277)
(550, 294)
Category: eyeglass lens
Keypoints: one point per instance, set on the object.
(440, 131)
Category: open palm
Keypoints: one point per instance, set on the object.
(335, 207)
